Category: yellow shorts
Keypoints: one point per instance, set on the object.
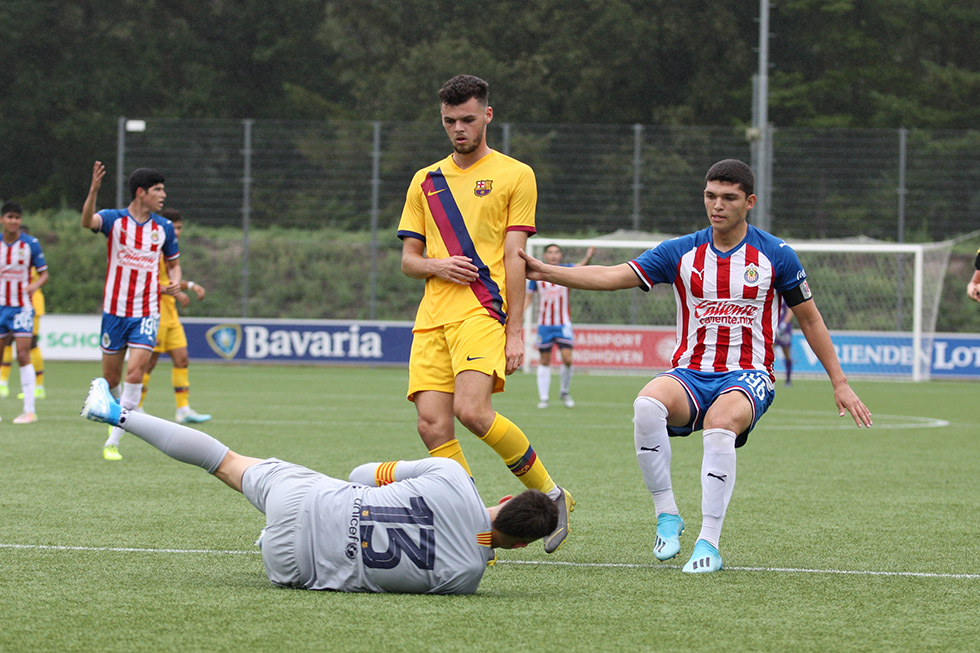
(170, 338)
(439, 354)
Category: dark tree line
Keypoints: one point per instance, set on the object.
(71, 68)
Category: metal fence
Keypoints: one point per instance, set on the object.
(897, 185)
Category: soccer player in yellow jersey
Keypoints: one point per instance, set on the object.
(37, 360)
(172, 339)
(465, 218)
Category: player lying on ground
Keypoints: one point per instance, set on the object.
(406, 526)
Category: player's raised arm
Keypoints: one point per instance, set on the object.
(584, 277)
(88, 209)
(816, 334)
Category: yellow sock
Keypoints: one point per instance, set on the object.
(146, 387)
(452, 450)
(8, 357)
(510, 443)
(37, 360)
(180, 377)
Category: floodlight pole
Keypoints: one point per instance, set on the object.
(760, 134)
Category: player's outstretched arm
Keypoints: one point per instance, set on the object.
(88, 209)
(584, 277)
(816, 334)
(378, 474)
(973, 288)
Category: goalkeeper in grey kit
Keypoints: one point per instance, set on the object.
(406, 526)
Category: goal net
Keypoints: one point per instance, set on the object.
(880, 302)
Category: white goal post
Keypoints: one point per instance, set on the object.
(873, 289)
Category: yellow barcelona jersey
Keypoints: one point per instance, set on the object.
(168, 303)
(468, 212)
(37, 299)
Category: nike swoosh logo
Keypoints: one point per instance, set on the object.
(474, 358)
(430, 193)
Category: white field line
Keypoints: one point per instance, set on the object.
(592, 565)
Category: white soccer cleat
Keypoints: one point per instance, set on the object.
(188, 415)
(567, 400)
(25, 418)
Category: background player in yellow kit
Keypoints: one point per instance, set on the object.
(172, 340)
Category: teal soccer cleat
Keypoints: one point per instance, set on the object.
(669, 529)
(705, 559)
(100, 406)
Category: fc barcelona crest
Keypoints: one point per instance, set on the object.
(483, 187)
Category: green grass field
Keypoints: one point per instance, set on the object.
(836, 538)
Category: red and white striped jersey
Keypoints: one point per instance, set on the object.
(16, 260)
(552, 303)
(132, 286)
(727, 302)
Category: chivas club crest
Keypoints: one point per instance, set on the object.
(751, 275)
(483, 187)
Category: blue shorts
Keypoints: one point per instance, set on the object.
(18, 320)
(704, 387)
(560, 334)
(121, 332)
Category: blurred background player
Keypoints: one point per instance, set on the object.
(973, 287)
(138, 237)
(37, 360)
(784, 338)
(172, 339)
(465, 219)
(554, 327)
(408, 526)
(19, 253)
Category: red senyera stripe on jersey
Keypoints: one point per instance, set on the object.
(697, 354)
(720, 363)
(130, 303)
(452, 228)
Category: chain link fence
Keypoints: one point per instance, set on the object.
(896, 185)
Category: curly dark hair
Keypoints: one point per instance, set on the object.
(527, 517)
(461, 88)
(732, 171)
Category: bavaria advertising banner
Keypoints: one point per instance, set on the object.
(643, 349)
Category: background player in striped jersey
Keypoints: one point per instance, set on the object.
(19, 253)
(727, 282)
(465, 219)
(408, 526)
(973, 286)
(37, 359)
(137, 239)
(171, 338)
(554, 327)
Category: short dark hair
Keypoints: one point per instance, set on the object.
(171, 214)
(11, 207)
(527, 517)
(732, 171)
(550, 245)
(144, 178)
(461, 88)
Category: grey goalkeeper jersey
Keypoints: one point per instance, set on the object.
(411, 526)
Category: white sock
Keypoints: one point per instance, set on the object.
(27, 382)
(653, 451)
(566, 378)
(129, 398)
(717, 481)
(544, 382)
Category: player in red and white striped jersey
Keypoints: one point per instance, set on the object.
(137, 238)
(727, 280)
(19, 252)
(554, 327)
